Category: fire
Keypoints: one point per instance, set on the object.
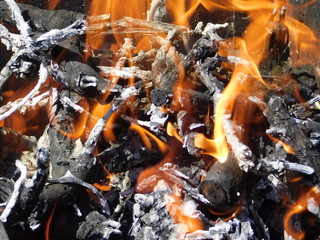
(286, 147)
(144, 134)
(53, 4)
(252, 47)
(98, 112)
(182, 10)
(48, 224)
(29, 121)
(301, 205)
(182, 213)
(173, 132)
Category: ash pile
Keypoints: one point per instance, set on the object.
(144, 129)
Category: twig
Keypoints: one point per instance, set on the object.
(69, 178)
(90, 144)
(43, 73)
(55, 36)
(126, 72)
(281, 165)
(241, 151)
(23, 27)
(15, 194)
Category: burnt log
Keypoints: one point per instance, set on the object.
(223, 184)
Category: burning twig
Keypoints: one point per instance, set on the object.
(15, 194)
(242, 152)
(43, 74)
(96, 131)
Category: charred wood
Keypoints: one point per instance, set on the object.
(221, 189)
(289, 132)
(39, 19)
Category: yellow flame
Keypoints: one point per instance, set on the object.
(173, 132)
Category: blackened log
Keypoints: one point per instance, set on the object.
(223, 184)
(29, 195)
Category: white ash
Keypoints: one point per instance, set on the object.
(78, 145)
(275, 181)
(287, 236)
(196, 125)
(23, 27)
(217, 232)
(68, 102)
(128, 92)
(313, 206)
(98, 226)
(157, 119)
(211, 30)
(144, 200)
(151, 219)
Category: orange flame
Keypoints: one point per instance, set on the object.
(173, 132)
(104, 186)
(144, 134)
(285, 146)
(32, 121)
(47, 228)
(52, 4)
(300, 207)
(178, 211)
(182, 10)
